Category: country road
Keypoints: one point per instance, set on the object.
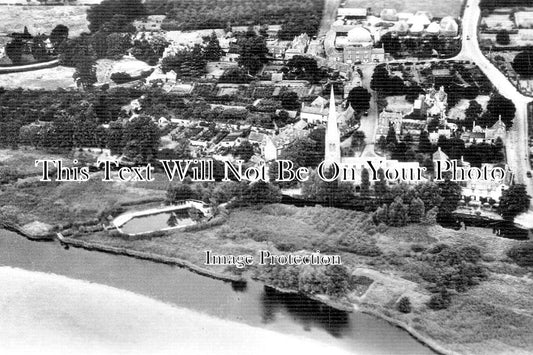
(517, 140)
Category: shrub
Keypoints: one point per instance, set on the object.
(404, 305)
(470, 254)
(361, 280)
(417, 248)
(121, 77)
(337, 280)
(436, 249)
(363, 248)
(441, 300)
(522, 254)
(382, 228)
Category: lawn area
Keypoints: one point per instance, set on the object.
(47, 79)
(61, 77)
(29, 200)
(106, 67)
(43, 19)
(437, 8)
(399, 104)
(66, 202)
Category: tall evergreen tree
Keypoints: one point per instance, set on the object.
(416, 210)
(365, 182)
(398, 213)
(212, 50)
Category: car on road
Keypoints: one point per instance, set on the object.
(467, 37)
(528, 174)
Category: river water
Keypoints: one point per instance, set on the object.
(253, 305)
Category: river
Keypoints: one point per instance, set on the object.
(252, 305)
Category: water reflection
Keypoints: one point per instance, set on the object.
(251, 303)
(239, 286)
(307, 312)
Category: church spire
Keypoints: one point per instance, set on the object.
(333, 142)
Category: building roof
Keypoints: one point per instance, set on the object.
(440, 155)
(499, 124)
(433, 28)
(255, 137)
(401, 27)
(424, 13)
(314, 110)
(404, 16)
(417, 28)
(319, 101)
(389, 15)
(351, 11)
(359, 35)
(419, 19)
(524, 18)
(448, 24)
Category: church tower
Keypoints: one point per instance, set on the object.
(333, 141)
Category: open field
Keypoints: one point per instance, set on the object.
(58, 203)
(61, 77)
(48, 79)
(437, 8)
(43, 19)
(106, 67)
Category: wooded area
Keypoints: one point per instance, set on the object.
(202, 14)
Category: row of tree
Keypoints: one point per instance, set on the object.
(493, 4)
(202, 14)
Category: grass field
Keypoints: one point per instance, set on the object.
(43, 19)
(30, 200)
(48, 79)
(437, 8)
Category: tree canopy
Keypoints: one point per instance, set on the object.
(514, 201)
(499, 106)
(103, 14)
(359, 98)
(523, 63)
(502, 37)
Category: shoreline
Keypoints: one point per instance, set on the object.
(339, 306)
(426, 341)
(150, 257)
(67, 241)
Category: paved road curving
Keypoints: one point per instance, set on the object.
(517, 141)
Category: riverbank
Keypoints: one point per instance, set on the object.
(387, 258)
(430, 343)
(151, 257)
(44, 313)
(392, 263)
